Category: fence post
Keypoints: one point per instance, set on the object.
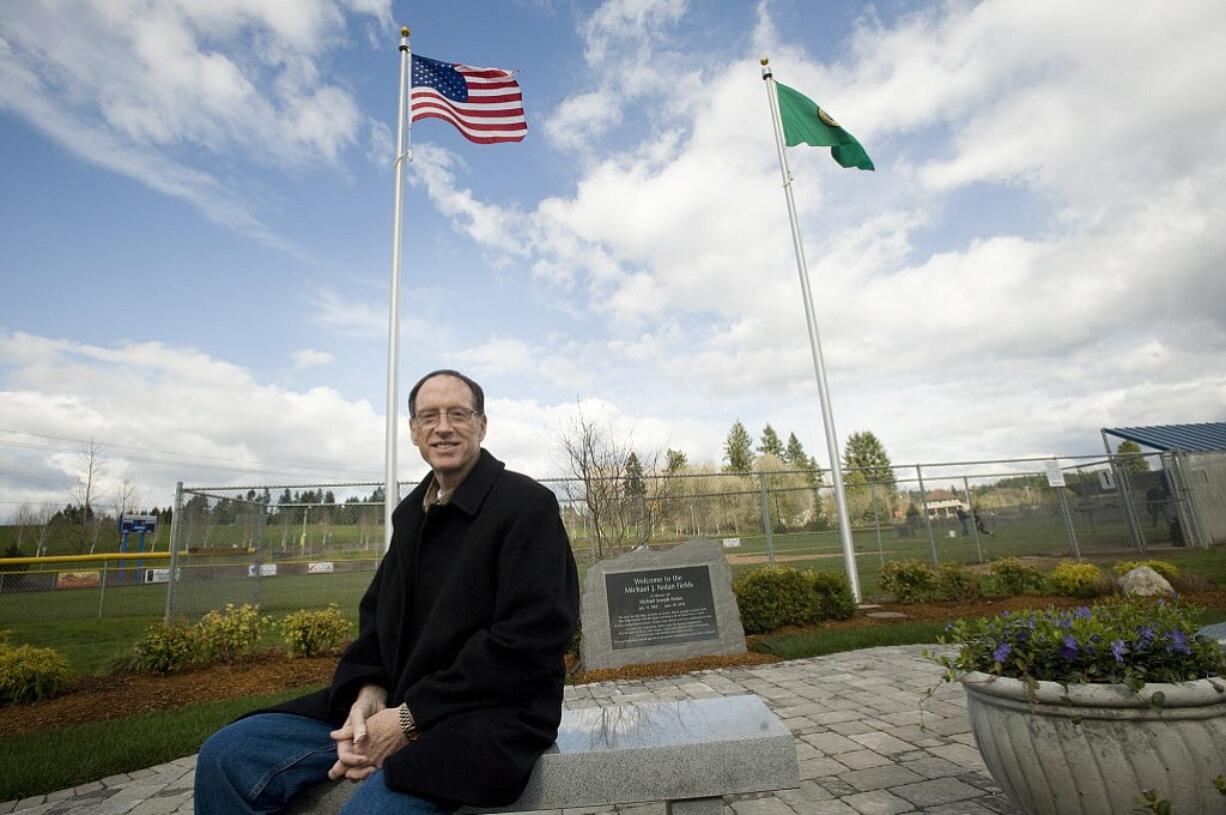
(176, 531)
(1138, 538)
(102, 589)
(932, 541)
(1121, 478)
(766, 519)
(872, 494)
(1068, 522)
(1185, 506)
(966, 486)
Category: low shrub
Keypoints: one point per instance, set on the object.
(313, 633)
(772, 598)
(165, 649)
(911, 581)
(229, 634)
(1075, 579)
(956, 582)
(1014, 577)
(832, 595)
(1163, 567)
(28, 673)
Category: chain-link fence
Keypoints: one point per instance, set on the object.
(303, 546)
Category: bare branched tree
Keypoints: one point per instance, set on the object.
(619, 508)
(91, 462)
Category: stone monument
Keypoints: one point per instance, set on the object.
(660, 606)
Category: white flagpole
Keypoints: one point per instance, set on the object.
(815, 343)
(391, 491)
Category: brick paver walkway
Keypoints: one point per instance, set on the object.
(862, 745)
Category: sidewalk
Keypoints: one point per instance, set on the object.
(855, 717)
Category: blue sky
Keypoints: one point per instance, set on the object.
(195, 230)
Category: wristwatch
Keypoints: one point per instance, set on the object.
(407, 725)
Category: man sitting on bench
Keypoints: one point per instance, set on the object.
(453, 687)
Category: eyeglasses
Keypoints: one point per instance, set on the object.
(457, 417)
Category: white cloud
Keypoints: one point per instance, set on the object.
(167, 414)
(1017, 333)
(308, 358)
(139, 88)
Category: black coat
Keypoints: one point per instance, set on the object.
(467, 620)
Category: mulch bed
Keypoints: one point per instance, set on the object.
(94, 697)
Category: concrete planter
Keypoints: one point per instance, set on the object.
(1091, 749)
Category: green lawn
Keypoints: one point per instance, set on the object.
(58, 758)
(68, 620)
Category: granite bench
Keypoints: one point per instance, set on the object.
(688, 754)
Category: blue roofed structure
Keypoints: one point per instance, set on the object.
(1181, 438)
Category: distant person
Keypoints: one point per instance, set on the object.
(1157, 501)
(979, 524)
(964, 518)
(453, 687)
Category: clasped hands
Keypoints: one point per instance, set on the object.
(370, 734)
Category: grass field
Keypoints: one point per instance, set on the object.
(68, 620)
(55, 759)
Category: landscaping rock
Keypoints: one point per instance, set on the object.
(1145, 582)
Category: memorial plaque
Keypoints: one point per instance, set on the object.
(660, 606)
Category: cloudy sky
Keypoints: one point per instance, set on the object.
(196, 208)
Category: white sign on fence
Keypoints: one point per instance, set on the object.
(266, 570)
(1055, 476)
(325, 567)
(732, 543)
(157, 575)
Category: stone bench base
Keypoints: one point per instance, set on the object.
(688, 754)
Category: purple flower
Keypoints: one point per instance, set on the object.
(1147, 636)
(1069, 651)
(1179, 642)
(1002, 652)
(1082, 613)
(1064, 622)
(1118, 649)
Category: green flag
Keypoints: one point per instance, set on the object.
(804, 121)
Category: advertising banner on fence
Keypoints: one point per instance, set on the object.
(160, 575)
(325, 567)
(78, 580)
(732, 543)
(266, 570)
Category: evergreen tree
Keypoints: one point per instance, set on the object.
(866, 453)
(634, 476)
(676, 461)
(738, 449)
(1132, 463)
(794, 454)
(770, 445)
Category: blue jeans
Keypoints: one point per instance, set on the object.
(257, 764)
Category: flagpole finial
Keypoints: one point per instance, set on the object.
(765, 60)
(404, 31)
(766, 68)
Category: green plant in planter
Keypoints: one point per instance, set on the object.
(1118, 643)
(1096, 704)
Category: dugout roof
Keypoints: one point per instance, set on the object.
(1184, 438)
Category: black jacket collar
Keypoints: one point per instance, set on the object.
(471, 493)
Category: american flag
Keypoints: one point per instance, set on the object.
(484, 104)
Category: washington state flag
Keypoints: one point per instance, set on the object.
(805, 122)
